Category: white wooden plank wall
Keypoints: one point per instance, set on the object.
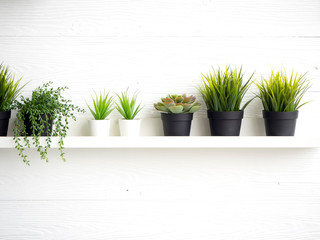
(161, 47)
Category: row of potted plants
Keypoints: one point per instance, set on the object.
(281, 94)
(47, 112)
(223, 92)
(176, 114)
(126, 105)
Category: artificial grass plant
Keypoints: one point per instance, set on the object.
(223, 90)
(282, 93)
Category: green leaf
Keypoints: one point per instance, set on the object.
(176, 109)
(194, 109)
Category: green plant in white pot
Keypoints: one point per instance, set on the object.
(10, 89)
(102, 107)
(128, 107)
(281, 97)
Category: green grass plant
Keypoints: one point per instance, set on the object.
(282, 93)
(10, 88)
(223, 90)
(127, 106)
(102, 106)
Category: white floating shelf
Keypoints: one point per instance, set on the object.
(179, 142)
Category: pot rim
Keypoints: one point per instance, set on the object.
(99, 120)
(227, 115)
(123, 119)
(177, 117)
(5, 114)
(280, 115)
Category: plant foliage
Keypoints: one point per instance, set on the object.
(127, 106)
(223, 91)
(178, 104)
(283, 93)
(46, 104)
(9, 88)
(102, 106)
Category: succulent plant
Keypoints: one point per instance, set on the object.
(178, 104)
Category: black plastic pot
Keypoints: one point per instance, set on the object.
(47, 130)
(176, 124)
(4, 122)
(225, 123)
(280, 123)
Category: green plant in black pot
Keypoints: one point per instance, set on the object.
(46, 113)
(281, 97)
(177, 113)
(223, 92)
(10, 89)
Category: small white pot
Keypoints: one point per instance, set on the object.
(129, 128)
(99, 127)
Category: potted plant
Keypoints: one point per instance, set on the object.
(9, 91)
(281, 98)
(223, 92)
(46, 113)
(102, 107)
(127, 106)
(177, 114)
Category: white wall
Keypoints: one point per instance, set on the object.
(161, 47)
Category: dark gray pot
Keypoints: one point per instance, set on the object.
(225, 123)
(176, 124)
(280, 123)
(4, 122)
(47, 130)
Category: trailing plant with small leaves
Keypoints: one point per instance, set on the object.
(223, 91)
(47, 111)
(127, 106)
(102, 106)
(178, 104)
(9, 88)
(283, 93)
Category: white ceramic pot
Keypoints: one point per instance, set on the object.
(129, 128)
(99, 127)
